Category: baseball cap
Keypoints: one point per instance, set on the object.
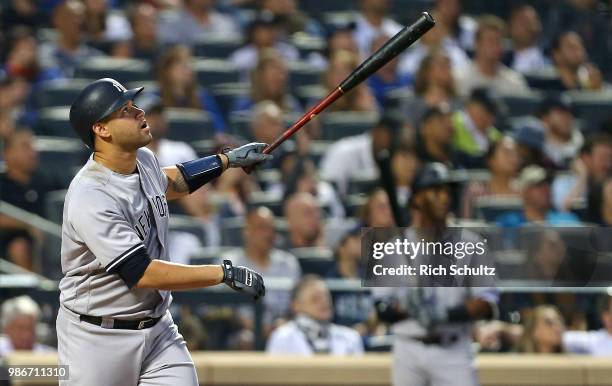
(533, 175)
(529, 137)
(489, 100)
(430, 175)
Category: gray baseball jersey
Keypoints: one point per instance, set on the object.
(107, 218)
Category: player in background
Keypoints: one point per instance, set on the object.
(113, 326)
(432, 321)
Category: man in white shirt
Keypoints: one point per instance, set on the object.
(487, 70)
(19, 317)
(196, 19)
(371, 22)
(311, 331)
(596, 343)
(525, 31)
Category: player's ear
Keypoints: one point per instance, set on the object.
(101, 130)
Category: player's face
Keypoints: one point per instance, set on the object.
(128, 128)
(315, 301)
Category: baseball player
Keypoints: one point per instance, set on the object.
(113, 326)
(432, 321)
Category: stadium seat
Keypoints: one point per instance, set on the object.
(314, 260)
(337, 125)
(61, 157)
(231, 231)
(362, 185)
(307, 44)
(54, 122)
(593, 108)
(270, 201)
(189, 125)
(522, 104)
(183, 223)
(303, 74)
(122, 70)
(59, 92)
(216, 46)
(215, 71)
(545, 80)
(489, 208)
(208, 255)
(309, 94)
(226, 93)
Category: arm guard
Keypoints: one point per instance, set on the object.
(200, 171)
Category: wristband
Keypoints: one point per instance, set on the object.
(228, 272)
(200, 171)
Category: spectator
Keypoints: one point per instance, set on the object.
(434, 83)
(588, 19)
(338, 39)
(548, 258)
(197, 18)
(305, 228)
(530, 146)
(354, 156)
(376, 212)
(525, 31)
(543, 331)
(341, 64)
(259, 254)
(457, 26)
(435, 136)
(534, 183)
(24, 187)
(310, 331)
(22, 58)
(371, 22)
(106, 30)
(600, 206)
(474, 125)
(178, 86)
(589, 170)
(303, 177)
(595, 343)
(387, 79)
(562, 139)
(266, 121)
(68, 50)
(435, 39)
(487, 69)
(291, 19)
(17, 13)
(404, 164)
(351, 308)
(264, 34)
(20, 315)
(269, 81)
(144, 20)
(503, 162)
(236, 188)
(572, 64)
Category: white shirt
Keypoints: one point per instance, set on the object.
(170, 153)
(289, 339)
(347, 158)
(562, 153)
(529, 60)
(365, 33)
(506, 80)
(596, 343)
(411, 61)
(6, 347)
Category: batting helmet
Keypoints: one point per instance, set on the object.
(96, 102)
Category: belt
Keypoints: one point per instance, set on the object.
(138, 324)
(436, 339)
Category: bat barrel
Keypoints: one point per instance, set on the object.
(390, 50)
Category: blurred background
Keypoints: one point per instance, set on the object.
(513, 95)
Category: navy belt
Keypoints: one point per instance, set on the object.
(138, 324)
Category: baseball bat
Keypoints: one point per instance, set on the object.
(393, 47)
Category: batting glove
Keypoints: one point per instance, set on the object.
(243, 279)
(247, 155)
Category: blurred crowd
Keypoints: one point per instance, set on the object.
(516, 99)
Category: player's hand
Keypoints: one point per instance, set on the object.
(243, 279)
(247, 155)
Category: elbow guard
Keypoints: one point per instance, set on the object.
(200, 171)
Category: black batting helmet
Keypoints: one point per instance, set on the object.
(96, 102)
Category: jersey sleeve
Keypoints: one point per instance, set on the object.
(99, 222)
